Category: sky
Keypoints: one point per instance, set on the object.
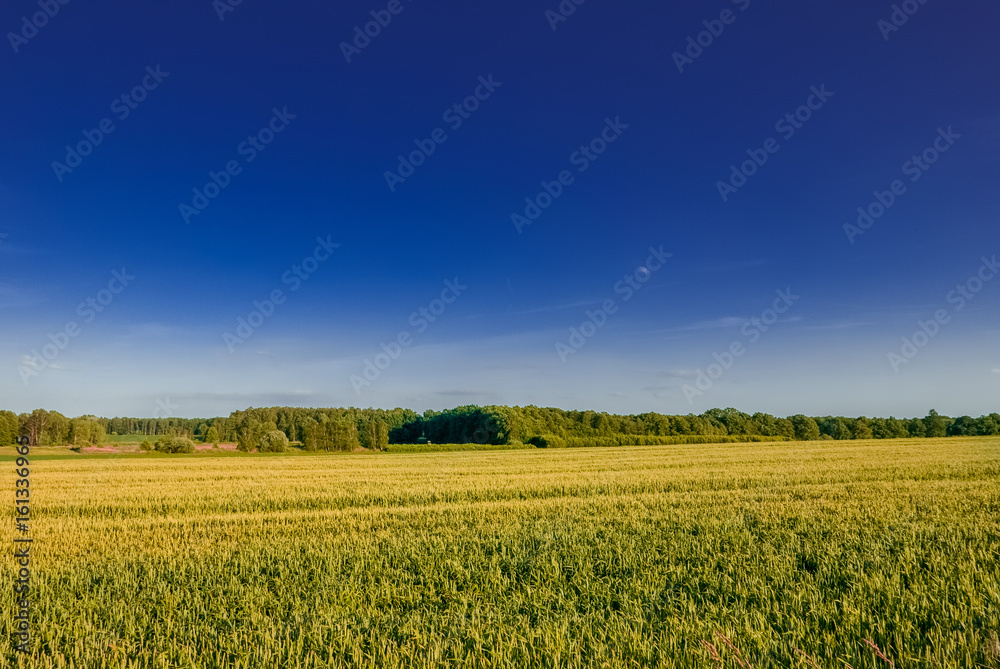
(628, 207)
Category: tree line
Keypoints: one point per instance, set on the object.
(348, 429)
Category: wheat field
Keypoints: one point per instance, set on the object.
(800, 554)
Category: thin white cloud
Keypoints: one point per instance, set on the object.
(717, 323)
(31, 363)
(678, 374)
(558, 307)
(838, 326)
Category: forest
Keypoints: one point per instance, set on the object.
(348, 429)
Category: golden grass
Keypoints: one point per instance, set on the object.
(788, 554)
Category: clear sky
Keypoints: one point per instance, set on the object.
(122, 287)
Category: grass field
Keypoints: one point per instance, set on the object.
(129, 438)
(610, 557)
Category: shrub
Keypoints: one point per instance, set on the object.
(167, 444)
(146, 446)
(548, 441)
(274, 441)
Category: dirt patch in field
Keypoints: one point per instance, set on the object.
(209, 447)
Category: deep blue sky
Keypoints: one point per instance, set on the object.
(159, 346)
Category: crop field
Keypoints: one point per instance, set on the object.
(794, 554)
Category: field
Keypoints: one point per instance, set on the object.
(637, 556)
(129, 438)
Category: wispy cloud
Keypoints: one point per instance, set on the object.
(839, 326)
(678, 374)
(464, 393)
(155, 330)
(557, 307)
(32, 363)
(716, 323)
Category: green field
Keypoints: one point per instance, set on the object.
(633, 556)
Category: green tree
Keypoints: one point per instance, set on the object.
(964, 426)
(380, 435)
(735, 421)
(989, 424)
(935, 424)
(806, 428)
(274, 441)
(212, 436)
(835, 427)
(174, 444)
(896, 428)
(8, 428)
(86, 430)
(56, 432)
(861, 429)
(33, 425)
(249, 431)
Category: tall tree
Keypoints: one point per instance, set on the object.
(935, 424)
(806, 428)
(861, 429)
(8, 428)
(34, 425)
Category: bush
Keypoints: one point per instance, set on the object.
(547, 441)
(274, 441)
(146, 446)
(174, 445)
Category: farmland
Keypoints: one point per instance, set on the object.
(634, 556)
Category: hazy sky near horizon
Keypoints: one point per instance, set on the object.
(500, 204)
